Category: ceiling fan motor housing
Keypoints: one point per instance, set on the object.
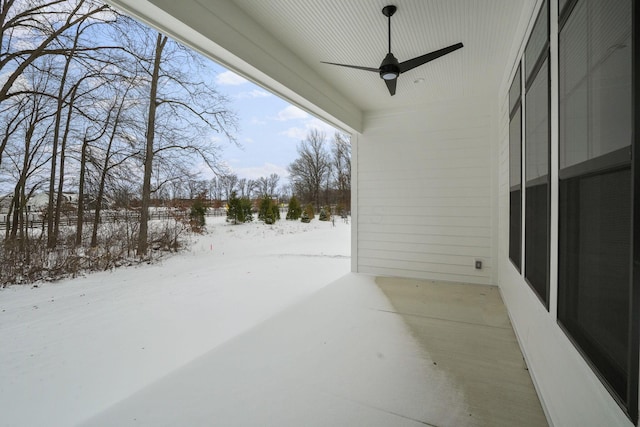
(388, 11)
(390, 68)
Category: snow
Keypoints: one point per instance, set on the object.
(73, 348)
(254, 325)
(338, 358)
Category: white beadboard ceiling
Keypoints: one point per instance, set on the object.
(280, 43)
(355, 32)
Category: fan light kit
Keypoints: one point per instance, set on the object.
(390, 68)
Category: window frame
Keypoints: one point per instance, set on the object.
(544, 55)
(619, 159)
(517, 188)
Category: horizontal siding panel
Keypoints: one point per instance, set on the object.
(469, 202)
(374, 179)
(462, 223)
(434, 120)
(392, 188)
(455, 135)
(424, 192)
(427, 258)
(424, 248)
(421, 274)
(478, 242)
(465, 166)
(408, 174)
(403, 173)
(424, 266)
(439, 211)
(425, 230)
(462, 142)
(431, 155)
(460, 193)
(415, 215)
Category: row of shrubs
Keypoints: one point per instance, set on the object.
(240, 210)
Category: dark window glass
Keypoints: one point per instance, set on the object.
(515, 156)
(595, 80)
(515, 173)
(537, 240)
(537, 184)
(538, 42)
(514, 92)
(515, 227)
(562, 4)
(537, 127)
(595, 192)
(594, 248)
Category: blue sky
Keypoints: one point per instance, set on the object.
(269, 128)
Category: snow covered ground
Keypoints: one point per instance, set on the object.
(70, 350)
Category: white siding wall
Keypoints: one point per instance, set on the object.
(424, 197)
(570, 392)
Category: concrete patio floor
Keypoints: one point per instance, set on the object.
(363, 351)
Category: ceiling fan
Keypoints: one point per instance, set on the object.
(390, 68)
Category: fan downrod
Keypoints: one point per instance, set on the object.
(388, 11)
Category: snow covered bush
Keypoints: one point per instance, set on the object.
(294, 211)
(310, 211)
(308, 214)
(268, 212)
(28, 259)
(196, 217)
(239, 209)
(325, 213)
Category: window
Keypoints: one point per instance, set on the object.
(537, 188)
(595, 200)
(515, 171)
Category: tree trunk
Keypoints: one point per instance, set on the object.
(53, 216)
(148, 158)
(63, 147)
(83, 165)
(19, 203)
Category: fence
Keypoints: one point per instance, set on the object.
(35, 221)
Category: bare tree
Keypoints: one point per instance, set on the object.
(229, 184)
(216, 189)
(341, 152)
(30, 157)
(309, 173)
(70, 90)
(183, 110)
(246, 187)
(44, 22)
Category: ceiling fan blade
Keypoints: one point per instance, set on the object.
(391, 85)
(357, 67)
(416, 62)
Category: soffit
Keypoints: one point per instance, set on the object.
(279, 44)
(355, 32)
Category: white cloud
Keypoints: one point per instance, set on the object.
(252, 94)
(301, 133)
(295, 133)
(255, 172)
(291, 113)
(229, 78)
(257, 121)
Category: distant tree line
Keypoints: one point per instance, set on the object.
(319, 178)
